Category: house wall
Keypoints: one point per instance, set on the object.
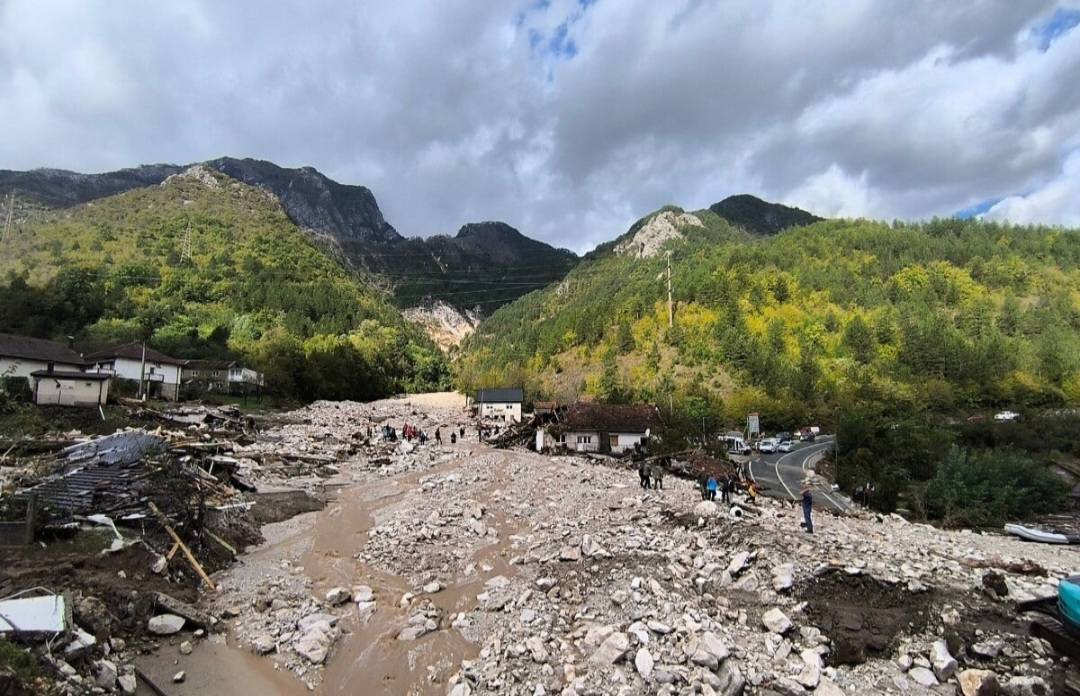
(70, 392)
(163, 379)
(501, 411)
(590, 441)
(626, 442)
(22, 367)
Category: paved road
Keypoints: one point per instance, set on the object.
(782, 474)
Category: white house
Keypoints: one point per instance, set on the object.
(610, 428)
(21, 356)
(65, 388)
(125, 362)
(219, 375)
(500, 404)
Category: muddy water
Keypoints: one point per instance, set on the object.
(216, 668)
(370, 659)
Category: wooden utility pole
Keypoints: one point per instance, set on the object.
(670, 304)
(10, 212)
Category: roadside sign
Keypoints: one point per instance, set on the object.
(753, 424)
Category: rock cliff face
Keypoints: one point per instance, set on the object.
(314, 201)
(661, 228)
(485, 265)
(444, 323)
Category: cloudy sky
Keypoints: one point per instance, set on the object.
(569, 118)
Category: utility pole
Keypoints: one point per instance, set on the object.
(10, 212)
(142, 374)
(186, 252)
(670, 305)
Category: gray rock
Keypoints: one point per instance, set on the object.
(570, 553)
(783, 577)
(644, 662)
(179, 677)
(738, 562)
(922, 676)
(776, 621)
(611, 650)
(314, 645)
(337, 596)
(127, 683)
(810, 675)
(186, 648)
(263, 644)
(165, 624)
(105, 674)
(536, 649)
(943, 662)
(706, 509)
(362, 593)
(1027, 686)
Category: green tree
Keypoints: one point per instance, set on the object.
(858, 340)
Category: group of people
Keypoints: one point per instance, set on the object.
(411, 432)
(864, 494)
(710, 485)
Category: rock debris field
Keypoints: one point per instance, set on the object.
(461, 569)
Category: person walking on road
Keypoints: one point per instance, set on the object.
(807, 506)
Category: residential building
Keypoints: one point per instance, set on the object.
(21, 356)
(70, 388)
(219, 376)
(162, 373)
(500, 404)
(607, 428)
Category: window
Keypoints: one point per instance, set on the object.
(584, 439)
(613, 440)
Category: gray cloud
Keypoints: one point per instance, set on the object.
(566, 119)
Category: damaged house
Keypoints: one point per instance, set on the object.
(605, 428)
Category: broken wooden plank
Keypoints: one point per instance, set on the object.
(183, 547)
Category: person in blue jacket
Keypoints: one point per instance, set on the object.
(711, 486)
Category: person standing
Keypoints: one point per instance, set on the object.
(807, 507)
(725, 490)
(711, 485)
(703, 483)
(438, 435)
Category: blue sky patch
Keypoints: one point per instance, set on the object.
(977, 209)
(1062, 22)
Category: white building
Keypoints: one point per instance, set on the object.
(609, 428)
(55, 388)
(500, 404)
(125, 362)
(21, 356)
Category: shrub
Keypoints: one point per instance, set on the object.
(991, 487)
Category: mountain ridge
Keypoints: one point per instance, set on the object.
(345, 220)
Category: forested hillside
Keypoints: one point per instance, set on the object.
(887, 332)
(950, 314)
(207, 266)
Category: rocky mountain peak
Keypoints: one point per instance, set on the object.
(659, 229)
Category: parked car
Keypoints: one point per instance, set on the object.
(768, 445)
(1006, 416)
(785, 446)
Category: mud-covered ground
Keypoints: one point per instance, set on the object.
(461, 569)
